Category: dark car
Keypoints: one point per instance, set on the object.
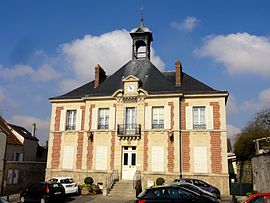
(201, 184)
(196, 189)
(171, 193)
(43, 192)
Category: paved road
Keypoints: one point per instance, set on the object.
(104, 199)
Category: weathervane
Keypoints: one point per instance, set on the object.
(142, 24)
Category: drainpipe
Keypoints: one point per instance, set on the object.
(180, 138)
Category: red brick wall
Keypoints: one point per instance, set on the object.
(90, 144)
(183, 115)
(216, 152)
(80, 142)
(56, 148)
(171, 142)
(216, 115)
(145, 152)
(57, 118)
(79, 150)
(185, 152)
(112, 150)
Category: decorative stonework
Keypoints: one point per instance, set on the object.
(56, 148)
(185, 152)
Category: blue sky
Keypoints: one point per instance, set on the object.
(50, 47)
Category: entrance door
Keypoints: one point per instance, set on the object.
(129, 159)
(130, 121)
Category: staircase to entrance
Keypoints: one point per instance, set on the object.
(123, 188)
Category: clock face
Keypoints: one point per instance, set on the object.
(130, 88)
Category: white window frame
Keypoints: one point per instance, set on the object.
(68, 157)
(18, 156)
(104, 114)
(158, 116)
(101, 156)
(200, 159)
(71, 116)
(199, 117)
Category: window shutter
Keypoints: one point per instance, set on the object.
(79, 119)
(189, 118)
(101, 158)
(157, 158)
(62, 120)
(148, 117)
(112, 118)
(200, 159)
(94, 118)
(167, 119)
(209, 118)
(68, 156)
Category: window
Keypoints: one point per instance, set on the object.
(103, 118)
(68, 157)
(158, 162)
(18, 156)
(157, 117)
(200, 159)
(199, 118)
(101, 158)
(71, 120)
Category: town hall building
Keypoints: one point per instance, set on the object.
(140, 120)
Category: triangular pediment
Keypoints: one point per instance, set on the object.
(131, 78)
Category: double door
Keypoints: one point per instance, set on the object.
(129, 159)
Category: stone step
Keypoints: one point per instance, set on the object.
(123, 188)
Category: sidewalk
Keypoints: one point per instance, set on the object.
(13, 198)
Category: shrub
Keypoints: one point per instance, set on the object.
(160, 181)
(88, 181)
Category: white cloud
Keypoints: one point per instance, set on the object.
(111, 50)
(69, 84)
(232, 132)
(232, 107)
(240, 53)
(2, 95)
(188, 25)
(262, 102)
(42, 125)
(43, 73)
(5, 101)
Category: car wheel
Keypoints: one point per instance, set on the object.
(22, 199)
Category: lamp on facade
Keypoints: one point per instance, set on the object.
(170, 135)
(90, 136)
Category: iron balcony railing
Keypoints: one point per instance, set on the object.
(129, 130)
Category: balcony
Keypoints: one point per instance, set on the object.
(129, 131)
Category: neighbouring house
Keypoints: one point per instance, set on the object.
(20, 163)
(140, 120)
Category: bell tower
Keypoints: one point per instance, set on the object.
(141, 41)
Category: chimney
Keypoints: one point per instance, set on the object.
(178, 73)
(34, 129)
(100, 75)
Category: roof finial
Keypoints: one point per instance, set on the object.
(141, 24)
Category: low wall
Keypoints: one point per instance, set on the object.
(20, 174)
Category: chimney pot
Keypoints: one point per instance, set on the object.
(178, 73)
(34, 129)
(100, 75)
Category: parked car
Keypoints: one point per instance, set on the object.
(196, 189)
(69, 184)
(201, 184)
(3, 200)
(43, 192)
(171, 193)
(259, 198)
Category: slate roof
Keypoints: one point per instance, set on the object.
(151, 79)
(11, 138)
(23, 132)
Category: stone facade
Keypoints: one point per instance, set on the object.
(163, 124)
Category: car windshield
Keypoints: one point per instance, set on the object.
(67, 180)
